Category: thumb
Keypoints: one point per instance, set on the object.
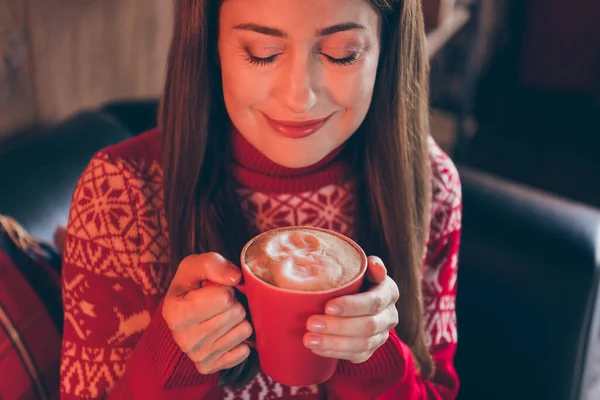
(376, 271)
(195, 269)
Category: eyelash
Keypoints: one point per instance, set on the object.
(340, 62)
(261, 62)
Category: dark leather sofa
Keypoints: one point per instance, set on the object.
(527, 308)
(527, 304)
(39, 172)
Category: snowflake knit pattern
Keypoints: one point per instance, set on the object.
(117, 270)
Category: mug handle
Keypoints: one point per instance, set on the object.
(242, 288)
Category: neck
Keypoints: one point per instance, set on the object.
(256, 172)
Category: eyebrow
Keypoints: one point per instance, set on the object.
(330, 30)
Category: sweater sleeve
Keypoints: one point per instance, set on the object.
(390, 373)
(115, 342)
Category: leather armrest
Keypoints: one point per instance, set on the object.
(527, 303)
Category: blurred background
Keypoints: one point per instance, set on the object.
(515, 100)
(516, 80)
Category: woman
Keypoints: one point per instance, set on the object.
(275, 113)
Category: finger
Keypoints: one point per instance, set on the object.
(198, 306)
(233, 357)
(354, 326)
(230, 340)
(220, 325)
(200, 267)
(344, 344)
(197, 340)
(356, 358)
(376, 271)
(228, 360)
(213, 336)
(371, 302)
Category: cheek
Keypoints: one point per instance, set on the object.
(242, 87)
(353, 91)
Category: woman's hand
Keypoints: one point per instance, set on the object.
(356, 325)
(207, 323)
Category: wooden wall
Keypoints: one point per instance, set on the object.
(58, 57)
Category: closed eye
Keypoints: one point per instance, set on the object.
(261, 61)
(342, 61)
(264, 61)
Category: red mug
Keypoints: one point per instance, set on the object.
(279, 318)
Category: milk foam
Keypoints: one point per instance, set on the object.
(301, 259)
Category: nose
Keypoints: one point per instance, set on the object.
(297, 84)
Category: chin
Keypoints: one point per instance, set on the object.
(294, 159)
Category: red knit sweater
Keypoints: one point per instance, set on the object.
(116, 272)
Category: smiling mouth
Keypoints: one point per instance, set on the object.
(297, 129)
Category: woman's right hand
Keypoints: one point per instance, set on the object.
(207, 323)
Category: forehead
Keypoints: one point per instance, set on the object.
(299, 16)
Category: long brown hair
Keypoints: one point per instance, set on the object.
(390, 158)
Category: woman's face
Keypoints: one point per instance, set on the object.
(298, 75)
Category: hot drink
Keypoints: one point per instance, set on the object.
(289, 275)
(304, 259)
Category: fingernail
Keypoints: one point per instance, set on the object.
(333, 310)
(235, 277)
(316, 326)
(378, 261)
(313, 341)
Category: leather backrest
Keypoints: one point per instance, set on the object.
(37, 177)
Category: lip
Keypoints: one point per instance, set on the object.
(297, 129)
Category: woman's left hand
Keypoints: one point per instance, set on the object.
(355, 326)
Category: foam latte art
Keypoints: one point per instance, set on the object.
(301, 259)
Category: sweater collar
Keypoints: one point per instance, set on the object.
(256, 172)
